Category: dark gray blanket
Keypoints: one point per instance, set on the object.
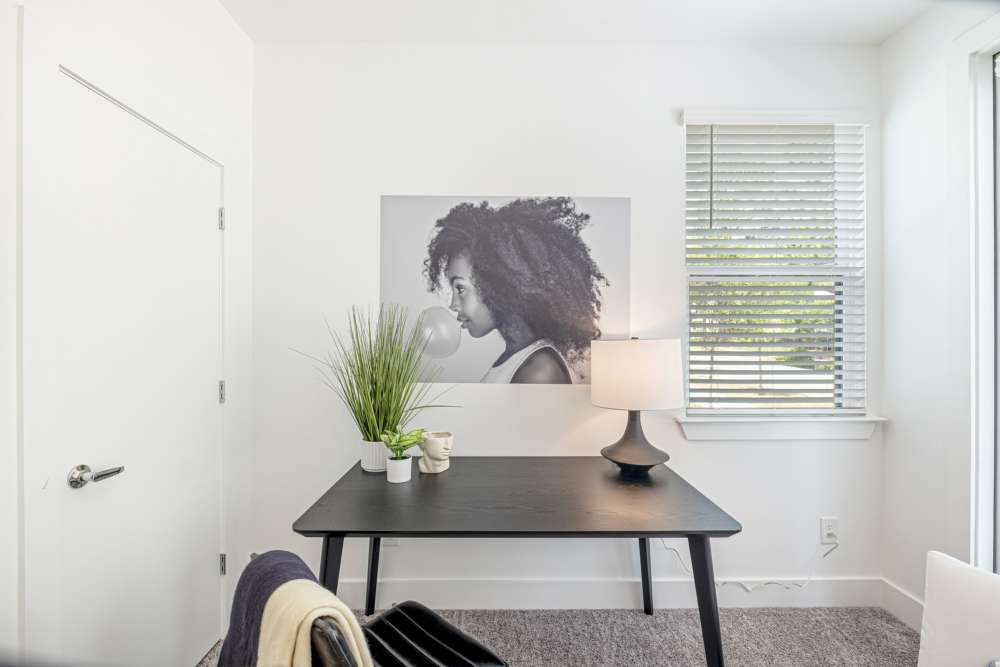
(262, 576)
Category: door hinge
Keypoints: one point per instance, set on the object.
(222, 391)
(222, 564)
(222, 218)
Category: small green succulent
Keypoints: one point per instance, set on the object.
(398, 442)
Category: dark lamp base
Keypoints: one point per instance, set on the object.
(633, 453)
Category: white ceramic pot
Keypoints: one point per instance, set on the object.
(398, 470)
(373, 456)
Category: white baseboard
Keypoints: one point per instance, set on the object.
(902, 604)
(578, 593)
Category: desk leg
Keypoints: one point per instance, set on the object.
(329, 564)
(373, 548)
(647, 583)
(708, 608)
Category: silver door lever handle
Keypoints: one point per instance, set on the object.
(81, 474)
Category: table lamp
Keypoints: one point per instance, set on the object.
(635, 375)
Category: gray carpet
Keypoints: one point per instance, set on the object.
(765, 637)
(845, 637)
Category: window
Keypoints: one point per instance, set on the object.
(776, 269)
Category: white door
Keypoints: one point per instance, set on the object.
(121, 359)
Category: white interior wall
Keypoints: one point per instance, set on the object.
(335, 126)
(187, 65)
(926, 501)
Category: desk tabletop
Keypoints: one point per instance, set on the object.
(516, 496)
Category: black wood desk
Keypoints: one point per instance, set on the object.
(524, 497)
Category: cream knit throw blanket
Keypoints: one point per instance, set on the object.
(285, 630)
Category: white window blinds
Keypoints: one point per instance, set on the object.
(776, 268)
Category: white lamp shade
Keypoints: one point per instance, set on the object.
(636, 374)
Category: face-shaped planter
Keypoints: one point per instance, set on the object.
(436, 448)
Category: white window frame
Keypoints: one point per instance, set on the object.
(972, 60)
(792, 427)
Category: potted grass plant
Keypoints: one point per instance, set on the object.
(380, 373)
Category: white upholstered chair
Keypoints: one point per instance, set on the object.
(961, 623)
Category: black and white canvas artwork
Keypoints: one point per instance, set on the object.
(509, 289)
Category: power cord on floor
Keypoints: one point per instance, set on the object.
(750, 588)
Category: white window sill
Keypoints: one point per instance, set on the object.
(738, 427)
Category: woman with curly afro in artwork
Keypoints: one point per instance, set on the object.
(522, 270)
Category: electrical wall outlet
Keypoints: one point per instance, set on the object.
(829, 532)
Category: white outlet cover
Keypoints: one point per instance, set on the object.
(829, 530)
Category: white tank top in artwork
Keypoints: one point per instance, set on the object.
(503, 373)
